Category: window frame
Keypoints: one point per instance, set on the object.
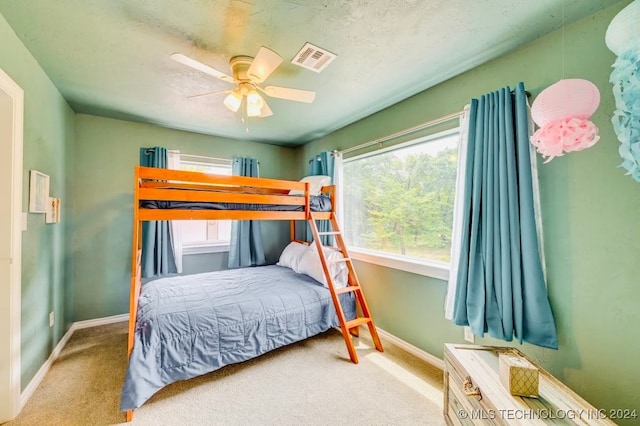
(204, 247)
(425, 267)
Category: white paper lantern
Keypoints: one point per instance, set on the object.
(623, 32)
(562, 112)
(574, 97)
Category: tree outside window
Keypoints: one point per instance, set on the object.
(401, 201)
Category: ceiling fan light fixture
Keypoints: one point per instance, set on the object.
(253, 111)
(254, 99)
(254, 103)
(233, 101)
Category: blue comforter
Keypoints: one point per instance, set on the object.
(194, 324)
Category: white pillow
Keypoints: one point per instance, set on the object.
(291, 255)
(315, 184)
(310, 265)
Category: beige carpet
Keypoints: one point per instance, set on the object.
(308, 383)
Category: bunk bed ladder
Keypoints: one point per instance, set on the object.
(351, 326)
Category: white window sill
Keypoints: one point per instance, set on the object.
(204, 248)
(434, 269)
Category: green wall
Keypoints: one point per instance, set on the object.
(106, 152)
(590, 213)
(48, 137)
(80, 268)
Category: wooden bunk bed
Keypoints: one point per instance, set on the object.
(163, 194)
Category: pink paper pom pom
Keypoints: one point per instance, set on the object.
(564, 135)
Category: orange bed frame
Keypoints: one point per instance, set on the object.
(177, 185)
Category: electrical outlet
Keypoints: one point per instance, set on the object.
(52, 319)
(468, 335)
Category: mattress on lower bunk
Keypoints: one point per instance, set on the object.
(317, 203)
(194, 324)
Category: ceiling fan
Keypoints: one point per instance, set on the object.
(248, 74)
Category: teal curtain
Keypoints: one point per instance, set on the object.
(246, 247)
(500, 284)
(321, 165)
(157, 250)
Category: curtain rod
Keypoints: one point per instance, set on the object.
(404, 132)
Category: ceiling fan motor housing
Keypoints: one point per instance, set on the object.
(239, 66)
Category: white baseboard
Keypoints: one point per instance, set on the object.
(413, 350)
(99, 321)
(37, 379)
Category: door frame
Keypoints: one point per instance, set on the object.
(13, 291)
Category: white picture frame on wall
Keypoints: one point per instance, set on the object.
(38, 192)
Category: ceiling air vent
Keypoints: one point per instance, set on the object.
(313, 58)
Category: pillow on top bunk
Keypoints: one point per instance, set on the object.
(315, 184)
(310, 265)
(291, 255)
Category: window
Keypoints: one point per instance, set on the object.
(399, 202)
(204, 236)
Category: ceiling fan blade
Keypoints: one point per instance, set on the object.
(290, 94)
(208, 93)
(192, 63)
(265, 111)
(263, 65)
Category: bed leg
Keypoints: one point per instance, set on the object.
(355, 331)
(129, 415)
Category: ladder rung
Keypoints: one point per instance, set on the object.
(342, 259)
(328, 233)
(356, 322)
(347, 289)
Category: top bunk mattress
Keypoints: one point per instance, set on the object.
(317, 203)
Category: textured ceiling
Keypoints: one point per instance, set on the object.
(111, 57)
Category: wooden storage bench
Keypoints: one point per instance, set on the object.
(473, 394)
